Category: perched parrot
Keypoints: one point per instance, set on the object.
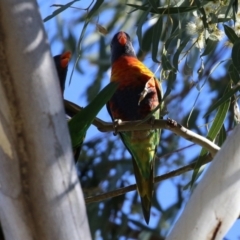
(61, 63)
(138, 94)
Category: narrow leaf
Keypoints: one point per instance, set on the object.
(179, 51)
(166, 11)
(174, 35)
(95, 8)
(147, 40)
(202, 11)
(166, 63)
(153, 4)
(219, 120)
(79, 44)
(236, 55)
(136, 9)
(140, 23)
(171, 79)
(59, 10)
(222, 100)
(233, 73)
(80, 123)
(211, 44)
(212, 134)
(223, 19)
(232, 36)
(235, 6)
(222, 136)
(230, 5)
(157, 30)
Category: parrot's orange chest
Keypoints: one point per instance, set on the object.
(129, 71)
(133, 77)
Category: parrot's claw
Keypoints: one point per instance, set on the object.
(171, 123)
(145, 91)
(152, 121)
(143, 95)
(116, 123)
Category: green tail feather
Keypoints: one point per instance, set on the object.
(145, 189)
(146, 207)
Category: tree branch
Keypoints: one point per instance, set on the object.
(133, 187)
(168, 124)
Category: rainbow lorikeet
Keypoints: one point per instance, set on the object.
(138, 94)
(61, 63)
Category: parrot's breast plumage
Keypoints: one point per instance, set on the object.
(132, 77)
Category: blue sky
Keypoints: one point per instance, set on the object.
(76, 91)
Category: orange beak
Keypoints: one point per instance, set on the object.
(122, 38)
(65, 58)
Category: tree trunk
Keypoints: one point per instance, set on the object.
(40, 195)
(215, 203)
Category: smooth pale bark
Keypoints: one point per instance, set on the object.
(40, 196)
(215, 203)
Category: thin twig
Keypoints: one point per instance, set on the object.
(133, 187)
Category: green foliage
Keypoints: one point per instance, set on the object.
(233, 73)
(179, 51)
(160, 10)
(210, 46)
(236, 55)
(222, 100)
(216, 127)
(232, 36)
(80, 123)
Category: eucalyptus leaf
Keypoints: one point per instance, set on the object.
(167, 10)
(95, 8)
(222, 136)
(80, 123)
(210, 46)
(153, 4)
(233, 73)
(59, 10)
(222, 100)
(236, 55)
(212, 134)
(157, 30)
(170, 81)
(139, 28)
(179, 51)
(230, 6)
(166, 63)
(232, 36)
